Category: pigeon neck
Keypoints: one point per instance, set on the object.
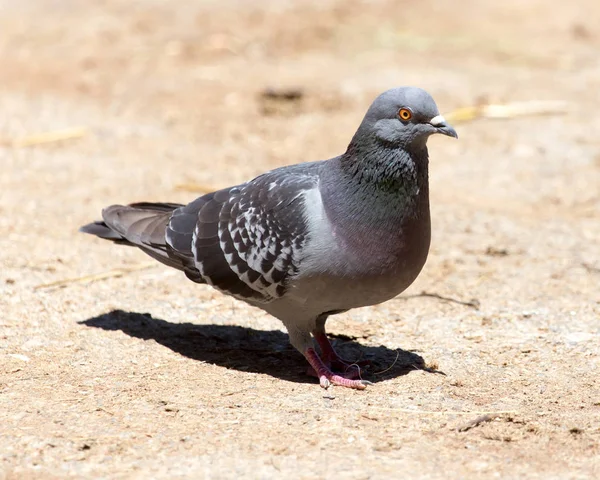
(378, 201)
(386, 173)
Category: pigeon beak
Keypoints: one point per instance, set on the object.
(440, 124)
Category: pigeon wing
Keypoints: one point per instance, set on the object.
(246, 240)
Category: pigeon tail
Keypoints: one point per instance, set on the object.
(141, 225)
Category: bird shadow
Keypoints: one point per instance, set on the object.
(249, 350)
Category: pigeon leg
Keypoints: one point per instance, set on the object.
(331, 357)
(327, 377)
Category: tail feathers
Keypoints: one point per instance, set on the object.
(140, 224)
(101, 230)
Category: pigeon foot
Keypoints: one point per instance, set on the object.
(327, 377)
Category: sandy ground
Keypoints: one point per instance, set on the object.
(147, 375)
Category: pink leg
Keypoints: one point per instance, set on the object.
(327, 377)
(330, 356)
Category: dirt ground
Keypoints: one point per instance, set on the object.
(492, 373)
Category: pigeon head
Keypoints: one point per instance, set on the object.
(405, 117)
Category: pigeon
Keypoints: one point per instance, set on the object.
(306, 241)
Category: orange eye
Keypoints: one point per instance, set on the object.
(405, 114)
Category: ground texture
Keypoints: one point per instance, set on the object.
(146, 375)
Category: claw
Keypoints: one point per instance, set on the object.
(324, 383)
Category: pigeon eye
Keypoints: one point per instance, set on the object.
(405, 114)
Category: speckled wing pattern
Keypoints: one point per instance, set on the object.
(245, 240)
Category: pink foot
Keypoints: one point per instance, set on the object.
(327, 377)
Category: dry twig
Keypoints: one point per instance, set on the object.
(590, 268)
(451, 412)
(115, 272)
(195, 187)
(508, 110)
(427, 369)
(391, 366)
(474, 303)
(488, 417)
(46, 137)
(471, 303)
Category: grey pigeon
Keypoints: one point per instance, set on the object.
(306, 241)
